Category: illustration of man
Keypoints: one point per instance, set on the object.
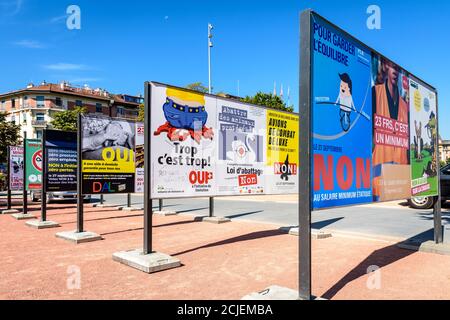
(345, 100)
(432, 131)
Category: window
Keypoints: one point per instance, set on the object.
(40, 116)
(78, 103)
(39, 134)
(13, 119)
(2, 105)
(13, 103)
(40, 101)
(58, 102)
(120, 111)
(98, 108)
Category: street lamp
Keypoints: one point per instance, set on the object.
(210, 45)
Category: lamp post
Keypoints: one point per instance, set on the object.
(210, 45)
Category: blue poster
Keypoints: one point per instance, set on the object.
(342, 119)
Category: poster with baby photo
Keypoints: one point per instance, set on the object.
(108, 161)
(242, 148)
(183, 142)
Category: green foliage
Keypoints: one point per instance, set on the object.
(67, 120)
(197, 86)
(268, 100)
(141, 114)
(9, 136)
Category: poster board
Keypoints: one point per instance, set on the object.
(16, 168)
(33, 163)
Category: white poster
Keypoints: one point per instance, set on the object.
(241, 148)
(16, 168)
(183, 148)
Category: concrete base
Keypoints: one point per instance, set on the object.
(78, 237)
(148, 263)
(273, 293)
(11, 211)
(38, 224)
(216, 220)
(97, 205)
(165, 213)
(276, 293)
(315, 234)
(427, 246)
(129, 209)
(21, 216)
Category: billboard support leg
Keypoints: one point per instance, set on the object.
(160, 205)
(304, 195)
(438, 232)
(101, 199)
(8, 209)
(147, 259)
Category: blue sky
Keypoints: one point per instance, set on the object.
(121, 44)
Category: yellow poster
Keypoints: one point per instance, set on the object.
(282, 151)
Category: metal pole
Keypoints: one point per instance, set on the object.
(438, 232)
(147, 173)
(160, 204)
(80, 203)
(101, 199)
(44, 178)
(210, 27)
(129, 200)
(304, 194)
(24, 187)
(8, 171)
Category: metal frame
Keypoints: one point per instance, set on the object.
(8, 175)
(24, 191)
(148, 214)
(304, 187)
(44, 177)
(80, 200)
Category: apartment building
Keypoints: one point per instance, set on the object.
(444, 150)
(34, 106)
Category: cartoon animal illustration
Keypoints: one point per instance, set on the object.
(184, 119)
(242, 152)
(418, 141)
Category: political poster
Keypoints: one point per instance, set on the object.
(33, 164)
(16, 168)
(108, 160)
(139, 155)
(241, 149)
(423, 132)
(282, 152)
(391, 143)
(183, 143)
(61, 160)
(342, 118)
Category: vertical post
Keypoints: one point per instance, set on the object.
(24, 189)
(160, 204)
(101, 199)
(304, 195)
(211, 207)
(8, 171)
(147, 173)
(44, 178)
(80, 203)
(438, 232)
(129, 200)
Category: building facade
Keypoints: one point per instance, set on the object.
(444, 150)
(33, 108)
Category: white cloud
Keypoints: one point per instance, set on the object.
(30, 44)
(58, 19)
(84, 80)
(61, 66)
(10, 7)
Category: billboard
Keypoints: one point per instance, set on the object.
(374, 124)
(139, 155)
(33, 164)
(61, 160)
(206, 145)
(107, 158)
(15, 168)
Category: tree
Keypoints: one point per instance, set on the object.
(197, 86)
(67, 120)
(268, 100)
(9, 136)
(141, 114)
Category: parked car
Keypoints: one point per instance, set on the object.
(429, 202)
(57, 196)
